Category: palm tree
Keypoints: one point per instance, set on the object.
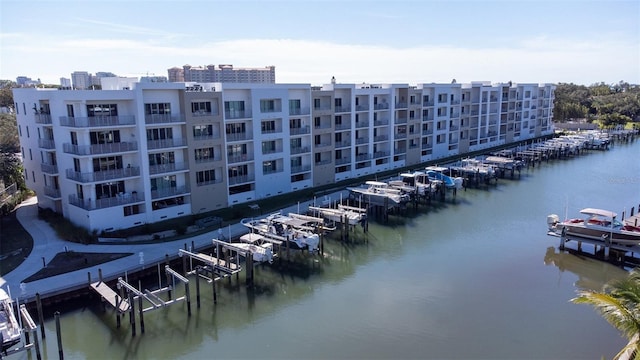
(619, 304)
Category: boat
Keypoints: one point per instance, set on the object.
(260, 247)
(380, 193)
(596, 224)
(9, 327)
(292, 232)
(420, 181)
(437, 173)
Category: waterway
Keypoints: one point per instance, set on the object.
(474, 277)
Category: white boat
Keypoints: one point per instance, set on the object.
(260, 247)
(380, 193)
(286, 229)
(436, 173)
(9, 327)
(596, 224)
(420, 181)
(353, 216)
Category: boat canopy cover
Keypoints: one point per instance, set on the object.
(600, 212)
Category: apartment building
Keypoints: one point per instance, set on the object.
(140, 153)
(225, 73)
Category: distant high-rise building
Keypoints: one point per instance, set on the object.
(176, 74)
(223, 74)
(26, 81)
(65, 83)
(81, 80)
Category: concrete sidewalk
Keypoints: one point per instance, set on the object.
(47, 244)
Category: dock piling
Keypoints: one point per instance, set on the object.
(40, 314)
(59, 335)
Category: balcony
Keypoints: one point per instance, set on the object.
(49, 169)
(46, 144)
(382, 106)
(43, 119)
(362, 107)
(167, 168)
(380, 138)
(427, 132)
(238, 114)
(300, 169)
(401, 105)
(343, 109)
(299, 150)
(362, 124)
(271, 171)
(240, 136)
(165, 143)
(52, 193)
(105, 175)
(322, 145)
(98, 121)
(98, 149)
(362, 140)
(300, 130)
(343, 126)
(164, 119)
(363, 157)
(241, 179)
(380, 154)
(169, 192)
(401, 120)
(274, 150)
(299, 111)
(343, 161)
(344, 143)
(382, 122)
(400, 136)
(239, 158)
(118, 200)
(427, 103)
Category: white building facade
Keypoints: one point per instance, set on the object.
(146, 152)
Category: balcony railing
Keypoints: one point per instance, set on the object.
(98, 121)
(238, 114)
(344, 143)
(169, 192)
(300, 169)
(46, 143)
(164, 118)
(299, 150)
(299, 111)
(362, 124)
(362, 140)
(343, 126)
(49, 169)
(240, 158)
(401, 120)
(363, 157)
(380, 154)
(400, 136)
(382, 106)
(300, 130)
(105, 175)
(100, 148)
(341, 109)
(271, 171)
(241, 179)
(343, 161)
(323, 162)
(362, 107)
(43, 118)
(401, 105)
(118, 200)
(202, 160)
(382, 122)
(52, 192)
(165, 143)
(322, 145)
(274, 150)
(380, 138)
(427, 103)
(242, 136)
(165, 168)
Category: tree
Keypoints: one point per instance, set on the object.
(614, 119)
(619, 304)
(9, 141)
(6, 93)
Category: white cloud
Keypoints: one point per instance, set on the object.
(540, 59)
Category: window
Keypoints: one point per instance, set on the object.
(237, 128)
(234, 108)
(27, 131)
(33, 176)
(20, 130)
(157, 109)
(268, 126)
(316, 103)
(203, 107)
(162, 158)
(269, 167)
(204, 154)
(201, 131)
(159, 134)
(102, 110)
(205, 177)
(338, 102)
(107, 163)
(109, 189)
(295, 123)
(70, 110)
(30, 155)
(268, 147)
(104, 137)
(294, 106)
(236, 150)
(268, 106)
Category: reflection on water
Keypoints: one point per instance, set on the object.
(464, 278)
(592, 274)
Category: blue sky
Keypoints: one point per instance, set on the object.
(403, 41)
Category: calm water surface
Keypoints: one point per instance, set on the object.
(472, 278)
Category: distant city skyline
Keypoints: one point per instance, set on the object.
(407, 41)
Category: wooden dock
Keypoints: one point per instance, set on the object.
(110, 296)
